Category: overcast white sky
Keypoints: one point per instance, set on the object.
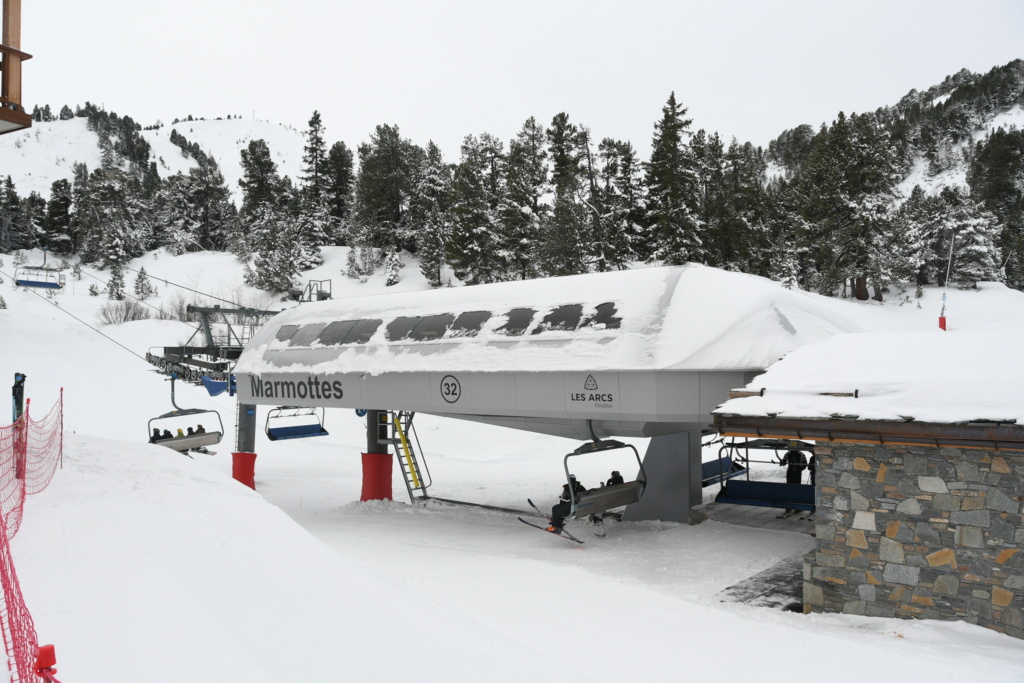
(441, 69)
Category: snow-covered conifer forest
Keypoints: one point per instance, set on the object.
(870, 204)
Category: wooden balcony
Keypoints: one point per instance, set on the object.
(12, 113)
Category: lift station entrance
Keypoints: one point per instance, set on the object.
(640, 353)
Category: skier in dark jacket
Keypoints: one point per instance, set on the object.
(560, 511)
(795, 462)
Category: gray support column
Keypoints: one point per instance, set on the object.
(245, 428)
(672, 464)
(376, 432)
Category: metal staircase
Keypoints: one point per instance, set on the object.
(410, 457)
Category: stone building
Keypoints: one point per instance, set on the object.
(920, 472)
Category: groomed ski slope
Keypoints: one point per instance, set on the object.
(141, 564)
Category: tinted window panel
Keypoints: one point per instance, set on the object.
(363, 330)
(399, 328)
(561, 318)
(335, 332)
(432, 327)
(518, 320)
(306, 335)
(286, 332)
(469, 323)
(605, 316)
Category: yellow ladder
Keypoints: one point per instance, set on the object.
(416, 478)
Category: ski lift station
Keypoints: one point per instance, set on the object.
(639, 353)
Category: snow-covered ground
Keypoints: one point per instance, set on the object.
(141, 564)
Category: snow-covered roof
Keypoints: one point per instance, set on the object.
(939, 377)
(669, 318)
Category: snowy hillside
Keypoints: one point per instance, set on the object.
(141, 564)
(37, 156)
(956, 176)
(224, 140)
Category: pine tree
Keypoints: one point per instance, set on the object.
(11, 225)
(57, 224)
(315, 175)
(709, 175)
(474, 251)
(974, 233)
(392, 264)
(314, 228)
(430, 208)
(277, 251)
(143, 285)
(742, 240)
(622, 191)
(66, 113)
(341, 180)
(672, 192)
(115, 283)
(524, 210)
(565, 238)
(387, 166)
(260, 182)
(844, 193)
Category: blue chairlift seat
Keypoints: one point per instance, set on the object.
(767, 494)
(296, 431)
(216, 387)
(717, 471)
(40, 278)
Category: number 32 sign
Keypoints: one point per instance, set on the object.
(451, 390)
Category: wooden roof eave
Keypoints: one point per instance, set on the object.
(885, 432)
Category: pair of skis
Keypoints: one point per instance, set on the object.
(551, 528)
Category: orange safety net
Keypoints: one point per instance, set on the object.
(30, 452)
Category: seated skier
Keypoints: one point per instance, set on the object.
(564, 506)
(598, 519)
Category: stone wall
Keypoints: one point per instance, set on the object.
(919, 533)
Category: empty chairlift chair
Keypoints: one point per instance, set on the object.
(719, 470)
(292, 422)
(39, 277)
(766, 493)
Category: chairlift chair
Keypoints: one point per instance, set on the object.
(39, 277)
(598, 500)
(765, 493)
(188, 442)
(280, 423)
